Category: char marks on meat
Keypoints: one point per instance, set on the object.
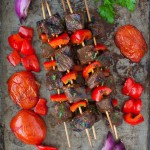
(83, 121)
(75, 93)
(74, 21)
(62, 112)
(97, 78)
(64, 59)
(53, 80)
(86, 54)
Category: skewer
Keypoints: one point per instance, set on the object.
(63, 4)
(58, 90)
(95, 43)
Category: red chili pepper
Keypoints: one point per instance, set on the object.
(31, 63)
(77, 105)
(133, 120)
(41, 147)
(114, 102)
(44, 38)
(15, 41)
(26, 32)
(27, 48)
(89, 68)
(132, 89)
(49, 64)
(80, 35)
(58, 98)
(132, 106)
(14, 58)
(59, 41)
(100, 47)
(99, 92)
(68, 77)
(78, 68)
(41, 107)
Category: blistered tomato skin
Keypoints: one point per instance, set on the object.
(24, 89)
(131, 42)
(28, 127)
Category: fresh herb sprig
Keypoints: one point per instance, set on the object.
(107, 9)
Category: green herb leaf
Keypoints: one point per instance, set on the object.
(54, 77)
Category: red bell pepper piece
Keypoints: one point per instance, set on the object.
(41, 147)
(26, 32)
(77, 105)
(31, 63)
(99, 92)
(14, 58)
(132, 89)
(27, 48)
(80, 35)
(114, 102)
(132, 106)
(59, 41)
(133, 120)
(89, 68)
(44, 38)
(58, 98)
(41, 107)
(68, 77)
(100, 47)
(78, 68)
(49, 64)
(15, 41)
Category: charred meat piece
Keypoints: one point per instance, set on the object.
(51, 26)
(80, 79)
(47, 50)
(86, 54)
(74, 21)
(62, 112)
(104, 105)
(64, 59)
(75, 93)
(116, 117)
(83, 121)
(97, 78)
(53, 80)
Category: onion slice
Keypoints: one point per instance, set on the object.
(119, 146)
(21, 8)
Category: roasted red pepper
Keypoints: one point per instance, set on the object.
(59, 41)
(133, 120)
(58, 98)
(80, 35)
(100, 47)
(114, 102)
(69, 77)
(15, 41)
(26, 32)
(132, 106)
(31, 63)
(89, 68)
(41, 147)
(77, 105)
(99, 92)
(27, 48)
(44, 38)
(132, 89)
(49, 64)
(41, 107)
(14, 58)
(78, 68)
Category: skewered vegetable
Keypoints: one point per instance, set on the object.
(40, 147)
(58, 98)
(77, 105)
(48, 65)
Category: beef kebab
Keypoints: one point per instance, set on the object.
(62, 108)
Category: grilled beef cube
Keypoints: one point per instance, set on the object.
(97, 78)
(63, 59)
(62, 112)
(51, 26)
(116, 117)
(74, 21)
(104, 105)
(96, 28)
(82, 121)
(53, 80)
(75, 93)
(80, 79)
(47, 50)
(86, 54)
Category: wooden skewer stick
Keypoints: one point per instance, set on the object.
(69, 5)
(48, 8)
(116, 135)
(63, 4)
